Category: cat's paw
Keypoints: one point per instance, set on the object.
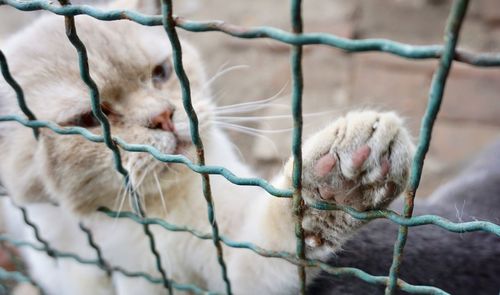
(361, 160)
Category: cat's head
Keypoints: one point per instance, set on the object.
(140, 94)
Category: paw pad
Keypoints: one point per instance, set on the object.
(360, 156)
(325, 165)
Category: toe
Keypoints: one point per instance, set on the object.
(325, 165)
(360, 156)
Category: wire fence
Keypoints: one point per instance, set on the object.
(446, 53)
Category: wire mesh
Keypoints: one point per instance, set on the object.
(296, 39)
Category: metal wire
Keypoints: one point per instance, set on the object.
(106, 130)
(169, 25)
(14, 276)
(452, 30)
(90, 240)
(380, 45)
(297, 39)
(19, 91)
(297, 89)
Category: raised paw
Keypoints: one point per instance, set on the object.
(361, 160)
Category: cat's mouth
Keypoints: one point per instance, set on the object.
(169, 142)
(162, 125)
(182, 146)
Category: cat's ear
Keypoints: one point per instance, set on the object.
(144, 6)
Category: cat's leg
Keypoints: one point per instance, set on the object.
(361, 160)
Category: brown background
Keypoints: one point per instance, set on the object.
(336, 81)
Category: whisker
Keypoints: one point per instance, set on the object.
(117, 197)
(132, 169)
(222, 72)
(121, 195)
(147, 170)
(162, 199)
(272, 117)
(249, 108)
(122, 198)
(257, 102)
(237, 149)
(222, 66)
(270, 131)
(148, 167)
(222, 92)
(137, 185)
(250, 131)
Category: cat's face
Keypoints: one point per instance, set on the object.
(140, 93)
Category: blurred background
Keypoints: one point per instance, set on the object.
(336, 81)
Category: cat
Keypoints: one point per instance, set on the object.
(361, 160)
(460, 264)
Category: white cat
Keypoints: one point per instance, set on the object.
(361, 160)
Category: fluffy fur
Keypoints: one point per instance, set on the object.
(361, 160)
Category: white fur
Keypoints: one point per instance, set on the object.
(79, 175)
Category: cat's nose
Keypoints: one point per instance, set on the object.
(163, 121)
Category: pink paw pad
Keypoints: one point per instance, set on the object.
(325, 165)
(360, 155)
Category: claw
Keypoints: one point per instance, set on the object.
(313, 240)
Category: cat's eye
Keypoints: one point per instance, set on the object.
(87, 119)
(161, 73)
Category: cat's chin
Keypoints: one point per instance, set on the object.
(182, 147)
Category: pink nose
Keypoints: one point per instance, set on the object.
(163, 121)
